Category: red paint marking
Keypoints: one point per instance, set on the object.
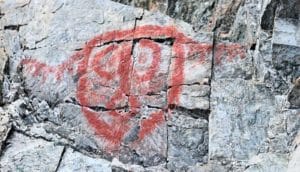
(200, 51)
(113, 134)
(109, 72)
(156, 52)
(148, 125)
(98, 68)
(178, 76)
(229, 51)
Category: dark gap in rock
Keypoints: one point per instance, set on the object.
(98, 108)
(125, 108)
(195, 113)
(167, 138)
(171, 106)
(154, 107)
(152, 94)
(24, 91)
(24, 5)
(190, 84)
(1, 15)
(24, 47)
(126, 2)
(253, 46)
(5, 143)
(41, 40)
(212, 67)
(118, 169)
(60, 159)
(211, 7)
(171, 7)
(5, 73)
(111, 42)
(217, 25)
(134, 42)
(78, 49)
(139, 18)
(294, 95)
(267, 20)
(13, 27)
(58, 8)
(6, 67)
(166, 41)
(24, 132)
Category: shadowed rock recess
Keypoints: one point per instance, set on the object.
(150, 85)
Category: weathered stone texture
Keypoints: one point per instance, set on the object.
(73, 161)
(183, 85)
(294, 157)
(187, 141)
(25, 154)
(5, 127)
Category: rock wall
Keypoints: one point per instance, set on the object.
(152, 85)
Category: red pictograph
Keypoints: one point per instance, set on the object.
(109, 77)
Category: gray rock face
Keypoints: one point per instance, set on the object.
(188, 141)
(267, 162)
(294, 157)
(25, 154)
(3, 62)
(5, 127)
(234, 138)
(74, 161)
(95, 85)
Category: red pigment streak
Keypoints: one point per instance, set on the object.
(149, 124)
(98, 69)
(200, 50)
(144, 43)
(229, 51)
(113, 133)
(178, 74)
(94, 72)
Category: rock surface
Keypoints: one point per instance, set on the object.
(25, 154)
(75, 161)
(183, 85)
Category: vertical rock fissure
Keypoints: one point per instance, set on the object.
(60, 159)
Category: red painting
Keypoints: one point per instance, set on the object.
(111, 70)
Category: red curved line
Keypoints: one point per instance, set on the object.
(95, 64)
(178, 74)
(82, 57)
(113, 133)
(148, 125)
(155, 60)
(123, 71)
(148, 31)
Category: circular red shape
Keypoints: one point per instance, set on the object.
(107, 76)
